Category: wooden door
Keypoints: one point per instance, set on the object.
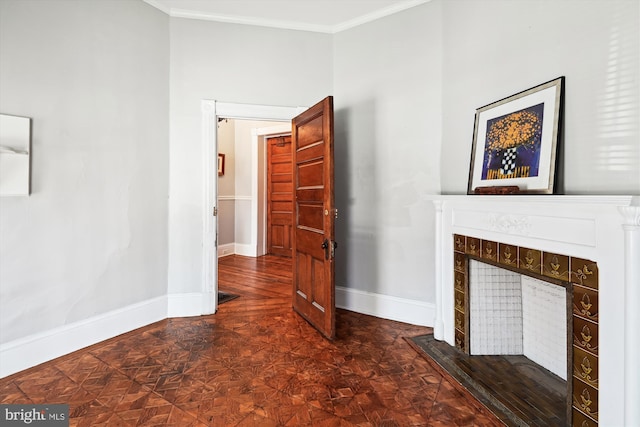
(314, 217)
(279, 196)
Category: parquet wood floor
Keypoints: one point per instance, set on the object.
(253, 363)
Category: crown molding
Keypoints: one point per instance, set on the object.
(283, 24)
(158, 6)
(399, 7)
(244, 20)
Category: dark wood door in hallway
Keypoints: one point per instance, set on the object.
(253, 363)
(279, 196)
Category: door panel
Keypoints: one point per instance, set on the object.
(314, 217)
(279, 196)
(310, 175)
(310, 132)
(311, 216)
(282, 187)
(310, 153)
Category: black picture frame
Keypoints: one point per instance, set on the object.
(516, 141)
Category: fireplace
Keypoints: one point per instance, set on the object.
(582, 247)
(515, 275)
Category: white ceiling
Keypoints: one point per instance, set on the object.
(325, 16)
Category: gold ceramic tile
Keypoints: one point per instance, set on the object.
(458, 242)
(460, 340)
(555, 266)
(508, 255)
(460, 262)
(585, 398)
(489, 250)
(459, 302)
(530, 260)
(459, 281)
(585, 366)
(585, 335)
(581, 420)
(459, 318)
(584, 272)
(473, 246)
(585, 302)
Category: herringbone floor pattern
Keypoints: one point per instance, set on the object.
(253, 363)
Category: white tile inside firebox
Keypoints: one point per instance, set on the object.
(545, 324)
(495, 310)
(515, 314)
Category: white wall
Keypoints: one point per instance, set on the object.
(92, 237)
(246, 149)
(228, 63)
(235, 194)
(227, 184)
(387, 99)
(495, 48)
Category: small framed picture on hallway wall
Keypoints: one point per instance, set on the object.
(516, 140)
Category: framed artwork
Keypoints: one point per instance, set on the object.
(15, 155)
(220, 164)
(516, 141)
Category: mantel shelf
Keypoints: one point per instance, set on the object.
(615, 200)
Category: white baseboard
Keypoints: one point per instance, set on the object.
(246, 250)
(237, 249)
(226, 250)
(185, 305)
(33, 350)
(386, 307)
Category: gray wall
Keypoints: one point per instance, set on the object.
(92, 237)
(228, 63)
(495, 48)
(406, 89)
(103, 80)
(387, 89)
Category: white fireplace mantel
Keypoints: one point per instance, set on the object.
(604, 229)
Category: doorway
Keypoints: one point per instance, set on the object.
(211, 112)
(253, 198)
(312, 141)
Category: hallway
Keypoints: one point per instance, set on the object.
(254, 363)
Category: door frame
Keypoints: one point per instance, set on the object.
(211, 110)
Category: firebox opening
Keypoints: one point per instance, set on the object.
(514, 314)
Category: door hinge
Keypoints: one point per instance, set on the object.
(215, 211)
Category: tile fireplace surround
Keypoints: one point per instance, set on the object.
(602, 229)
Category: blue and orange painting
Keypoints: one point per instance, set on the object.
(513, 143)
